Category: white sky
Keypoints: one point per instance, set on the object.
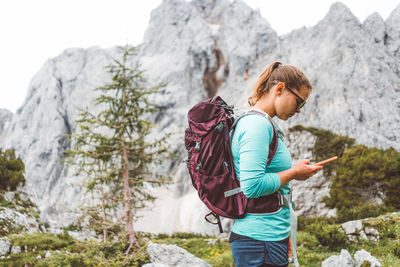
(31, 31)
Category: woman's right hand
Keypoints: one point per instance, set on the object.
(303, 170)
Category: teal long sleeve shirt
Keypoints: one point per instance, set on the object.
(250, 147)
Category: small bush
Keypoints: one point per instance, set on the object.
(72, 227)
(307, 240)
(64, 259)
(41, 241)
(396, 250)
(365, 264)
(68, 252)
(8, 226)
(303, 222)
(6, 204)
(330, 235)
(327, 145)
(361, 211)
(362, 175)
(11, 170)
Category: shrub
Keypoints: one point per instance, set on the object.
(330, 235)
(6, 204)
(327, 145)
(362, 175)
(68, 252)
(396, 249)
(365, 264)
(360, 211)
(303, 222)
(8, 226)
(11, 170)
(41, 241)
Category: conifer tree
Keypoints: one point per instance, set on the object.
(11, 170)
(89, 154)
(117, 138)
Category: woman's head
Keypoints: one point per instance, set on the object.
(289, 85)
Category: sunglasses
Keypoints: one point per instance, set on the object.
(299, 101)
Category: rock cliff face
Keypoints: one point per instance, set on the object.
(5, 118)
(199, 49)
(37, 131)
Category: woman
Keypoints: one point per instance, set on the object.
(263, 239)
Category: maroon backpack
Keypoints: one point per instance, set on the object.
(210, 162)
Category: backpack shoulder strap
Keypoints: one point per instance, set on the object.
(273, 146)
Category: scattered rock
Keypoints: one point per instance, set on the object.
(48, 254)
(356, 230)
(371, 231)
(363, 235)
(361, 255)
(172, 255)
(343, 260)
(352, 238)
(352, 227)
(15, 249)
(4, 246)
(211, 241)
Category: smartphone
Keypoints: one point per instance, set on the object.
(326, 161)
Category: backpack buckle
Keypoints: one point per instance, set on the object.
(220, 126)
(197, 146)
(226, 166)
(280, 199)
(199, 166)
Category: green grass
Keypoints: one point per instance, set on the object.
(66, 251)
(214, 250)
(387, 250)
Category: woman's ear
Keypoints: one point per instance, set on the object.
(279, 89)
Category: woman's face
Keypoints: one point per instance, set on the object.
(287, 102)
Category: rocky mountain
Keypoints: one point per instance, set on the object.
(5, 119)
(199, 49)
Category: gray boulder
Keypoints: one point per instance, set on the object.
(352, 227)
(4, 246)
(356, 230)
(342, 260)
(162, 255)
(15, 249)
(345, 259)
(361, 255)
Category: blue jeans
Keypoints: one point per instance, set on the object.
(250, 252)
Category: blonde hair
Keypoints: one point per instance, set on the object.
(290, 75)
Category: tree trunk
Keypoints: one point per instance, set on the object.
(127, 195)
(103, 207)
(127, 199)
